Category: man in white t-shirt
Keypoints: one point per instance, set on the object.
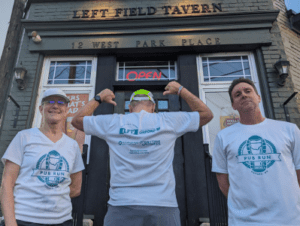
(257, 162)
(43, 169)
(141, 146)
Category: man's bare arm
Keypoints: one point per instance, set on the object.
(223, 182)
(10, 175)
(75, 186)
(106, 96)
(194, 102)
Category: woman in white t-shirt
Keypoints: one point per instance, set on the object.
(43, 169)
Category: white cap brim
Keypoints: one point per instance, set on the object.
(55, 92)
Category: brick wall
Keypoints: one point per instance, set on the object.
(65, 10)
(291, 44)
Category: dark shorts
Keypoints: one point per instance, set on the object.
(25, 223)
(142, 216)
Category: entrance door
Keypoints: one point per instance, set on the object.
(166, 103)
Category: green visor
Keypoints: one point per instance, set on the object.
(142, 91)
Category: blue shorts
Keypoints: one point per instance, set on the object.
(142, 216)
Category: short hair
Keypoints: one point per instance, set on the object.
(237, 81)
(134, 103)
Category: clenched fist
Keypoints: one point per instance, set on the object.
(107, 96)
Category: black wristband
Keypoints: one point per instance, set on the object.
(98, 99)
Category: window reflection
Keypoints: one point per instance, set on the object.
(70, 72)
(162, 104)
(224, 115)
(220, 69)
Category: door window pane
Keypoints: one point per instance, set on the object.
(224, 115)
(162, 104)
(127, 105)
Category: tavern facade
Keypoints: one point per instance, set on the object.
(87, 46)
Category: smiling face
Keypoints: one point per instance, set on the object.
(245, 99)
(54, 113)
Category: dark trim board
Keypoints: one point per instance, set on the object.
(196, 188)
(97, 196)
(215, 22)
(140, 52)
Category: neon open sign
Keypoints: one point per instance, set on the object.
(142, 75)
(146, 71)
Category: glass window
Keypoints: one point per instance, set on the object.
(222, 69)
(146, 71)
(224, 115)
(70, 72)
(163, 105)
(127, 105)
(127, 102)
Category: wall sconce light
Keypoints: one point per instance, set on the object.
(282, 66)
(35, 37)
(20, 74)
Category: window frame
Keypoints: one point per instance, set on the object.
(223, 86)
(67, 88)
(46, 67)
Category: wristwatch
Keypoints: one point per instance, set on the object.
(98, 99)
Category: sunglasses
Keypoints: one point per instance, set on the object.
(59, 102)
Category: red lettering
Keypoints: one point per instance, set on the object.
(156, 75)
(148, 74)
(131, 72)
(142, 74)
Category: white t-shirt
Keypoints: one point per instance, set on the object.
(41, 192)
(261, 161)
(141, 148)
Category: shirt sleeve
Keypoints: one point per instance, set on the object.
(296, 148)
(219, 159)
(78, 163)
(97, 125)
(15, 151)
(183, 122)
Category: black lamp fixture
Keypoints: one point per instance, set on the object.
(20, 74)
(282, 66)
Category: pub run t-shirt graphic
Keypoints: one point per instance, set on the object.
(51, 169)
(257, 154)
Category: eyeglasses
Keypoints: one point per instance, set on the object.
(59, 102)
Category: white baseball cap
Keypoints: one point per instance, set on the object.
(55, 92)
(142, 91)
